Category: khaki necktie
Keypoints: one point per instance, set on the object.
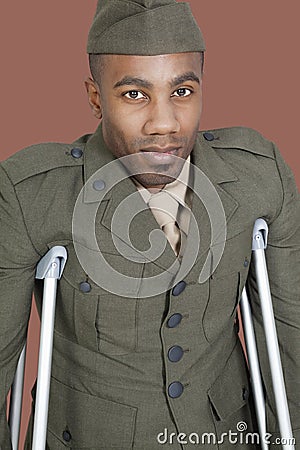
(165, 208)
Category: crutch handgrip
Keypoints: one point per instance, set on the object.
(260, 235)
(48, 267)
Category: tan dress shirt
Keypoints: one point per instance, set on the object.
(175, 205)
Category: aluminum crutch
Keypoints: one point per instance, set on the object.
(259, 244)
(50, 268)
(16, 397)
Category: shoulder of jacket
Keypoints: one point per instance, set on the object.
(240, 138)
(44, 157)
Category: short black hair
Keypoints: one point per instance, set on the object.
(97, 63)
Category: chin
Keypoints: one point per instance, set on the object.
(153, 181)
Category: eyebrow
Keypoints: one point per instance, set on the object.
(187, 76)
(140, 82)
(133, 81)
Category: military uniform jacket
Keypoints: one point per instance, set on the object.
(131, 372)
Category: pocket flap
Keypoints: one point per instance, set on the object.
(89, 421)
(230, 391)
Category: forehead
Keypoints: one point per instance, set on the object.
(158, 68)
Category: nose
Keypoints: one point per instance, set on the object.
(162, 119)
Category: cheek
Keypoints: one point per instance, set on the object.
(118, 133)
(189, 112)
(189, 118)
(123, 120)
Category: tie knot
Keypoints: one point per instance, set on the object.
(164, 207)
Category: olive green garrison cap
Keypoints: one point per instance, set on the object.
(144, 27)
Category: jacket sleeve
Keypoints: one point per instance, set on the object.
(17, 268)
(283, 262)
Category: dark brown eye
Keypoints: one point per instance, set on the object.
(134, 95)
(182, 92)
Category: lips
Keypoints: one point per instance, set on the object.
(167, 150)
(160, 155)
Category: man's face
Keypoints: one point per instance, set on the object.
(151, 107)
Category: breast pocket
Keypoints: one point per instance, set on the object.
(226, 284)
(116, 324)
(92, 317)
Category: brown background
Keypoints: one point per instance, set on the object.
(251, 74)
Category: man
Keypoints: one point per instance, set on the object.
(142, 361)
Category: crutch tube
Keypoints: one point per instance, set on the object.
(256, 382)
(44, 365)
(259, 244)
(50, 268)
(16, 397)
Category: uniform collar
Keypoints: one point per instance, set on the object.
(206, 158)
(203, 156)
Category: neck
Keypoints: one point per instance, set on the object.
(151, 189)
(155, 189)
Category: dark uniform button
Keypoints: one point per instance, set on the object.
(246, 262)
(174, 320)
(67, 436)
(180, 287)
(209, 136)
(245, 394)
(175, 353)
(99, 185)
(76, 152)
(85, 287)
(175, 389)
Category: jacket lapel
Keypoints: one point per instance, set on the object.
(97, 156)
(212, 207)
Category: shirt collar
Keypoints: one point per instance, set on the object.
(177, 188)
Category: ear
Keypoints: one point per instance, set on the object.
(93, 93)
